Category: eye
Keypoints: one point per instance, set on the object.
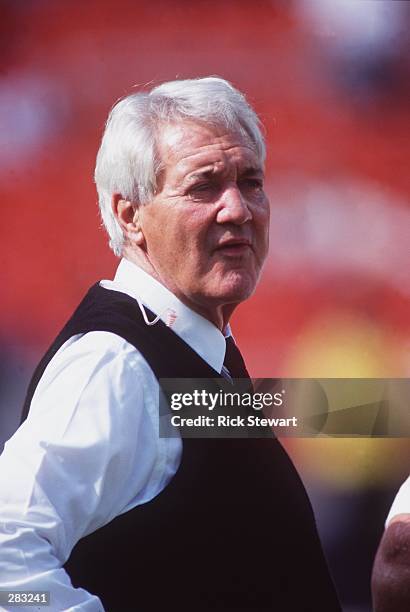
(255, 184)
(205, 190)
(200, 188)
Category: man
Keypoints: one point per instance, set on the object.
(200, 524)
(391, 571)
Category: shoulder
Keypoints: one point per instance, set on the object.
(96, 343)
(96, 347)
(95, 369)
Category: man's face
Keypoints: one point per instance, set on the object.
(206, 229)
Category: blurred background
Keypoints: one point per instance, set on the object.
(330, 81)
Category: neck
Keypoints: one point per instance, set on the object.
(219, 315)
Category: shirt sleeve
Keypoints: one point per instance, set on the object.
(401, 504)
(87, 452)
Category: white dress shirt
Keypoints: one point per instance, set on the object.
(89, 449)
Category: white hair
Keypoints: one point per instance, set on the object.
(127, 162)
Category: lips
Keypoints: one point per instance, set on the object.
(233, 243)
(234, 246)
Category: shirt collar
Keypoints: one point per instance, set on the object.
(199, 333)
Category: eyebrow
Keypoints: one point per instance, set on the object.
(252, 171)
(211, 173)
(201, 175)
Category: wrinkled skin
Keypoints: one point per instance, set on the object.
(204, 235)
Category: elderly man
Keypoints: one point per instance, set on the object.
(198, 524)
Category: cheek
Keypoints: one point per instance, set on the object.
(194, 234)
(165, 233)
(262, 231)
(185, 246)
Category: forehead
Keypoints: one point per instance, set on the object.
(188, 146)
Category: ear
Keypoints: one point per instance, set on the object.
(128, 218)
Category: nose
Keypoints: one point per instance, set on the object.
(233, 207)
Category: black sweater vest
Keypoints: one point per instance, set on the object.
(233, 530)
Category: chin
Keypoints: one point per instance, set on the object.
(236, 290)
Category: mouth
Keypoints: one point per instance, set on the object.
(234, 247)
